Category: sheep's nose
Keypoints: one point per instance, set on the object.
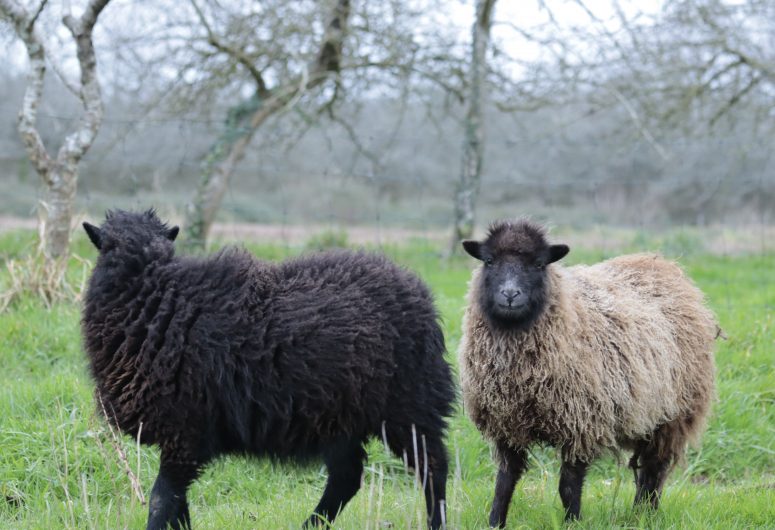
(511, 294)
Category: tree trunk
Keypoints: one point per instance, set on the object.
(467, 189)
(222, 160)
(216, 169)
(55, 211)
(230, 149)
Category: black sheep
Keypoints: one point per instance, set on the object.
(228, 354)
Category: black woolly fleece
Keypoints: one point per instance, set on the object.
(229, 354)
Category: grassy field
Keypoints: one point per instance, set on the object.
(61, 468)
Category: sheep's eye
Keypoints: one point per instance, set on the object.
(539, 265)
(488, 261)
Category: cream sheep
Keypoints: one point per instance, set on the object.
(585, 359)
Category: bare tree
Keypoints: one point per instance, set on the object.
(677, 72)
(59, 173)
(246, 118)
(686, 64)
(712, 55)
(467, 189)
(291, 65)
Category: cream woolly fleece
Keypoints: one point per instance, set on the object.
(622, 347)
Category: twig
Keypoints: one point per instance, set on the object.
(640, 125)
(116, 442)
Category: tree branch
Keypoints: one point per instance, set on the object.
(233, 52)
(25, 29)
(78, 142)
(735, 99)
(408, 68)
(644, 131)
(328, 60)
(746, 58)
(35, 15)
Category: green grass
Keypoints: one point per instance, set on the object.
(60, 469)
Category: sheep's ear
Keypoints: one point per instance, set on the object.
(473, 247)
(557, 252)
(94, 234)
(172, 233)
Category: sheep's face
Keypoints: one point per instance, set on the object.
(515, 254)
(142, 235)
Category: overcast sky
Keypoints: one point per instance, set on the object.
(523, 13)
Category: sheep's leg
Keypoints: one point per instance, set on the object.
(168, 507)
(436, 481)
(651, 477)
(512, 465)
(344, 462)
(430, 465)
(571, 482)
(657, 456)
(634, 465)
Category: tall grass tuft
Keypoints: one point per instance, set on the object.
(48, 281)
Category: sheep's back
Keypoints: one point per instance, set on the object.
(660, 336)
(355, 341)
